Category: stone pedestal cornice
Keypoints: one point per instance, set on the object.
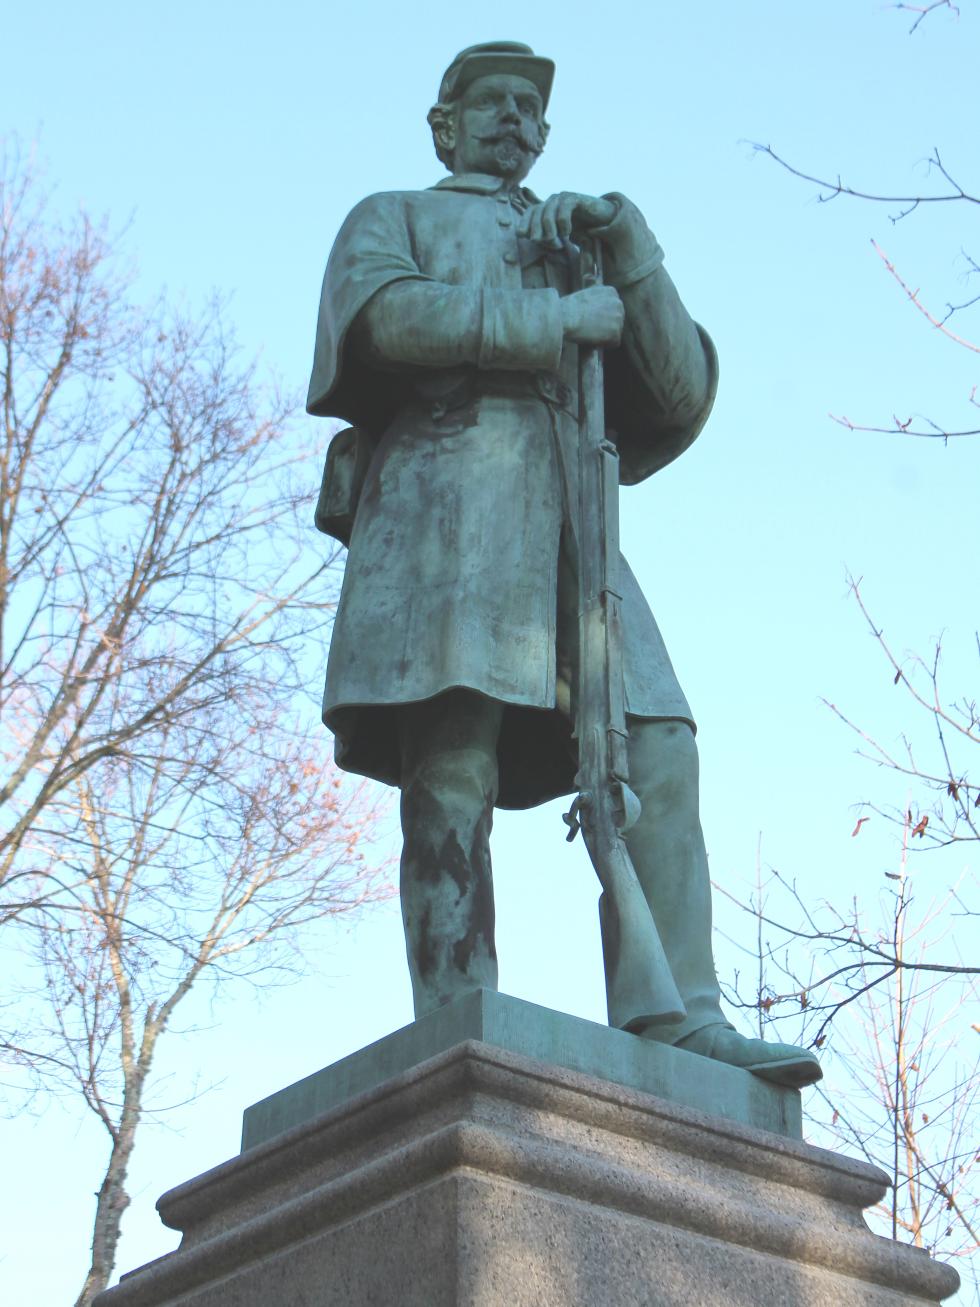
(482, 1176)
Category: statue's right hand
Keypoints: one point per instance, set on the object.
(593, 316)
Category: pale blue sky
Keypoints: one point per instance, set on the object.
(235, 137)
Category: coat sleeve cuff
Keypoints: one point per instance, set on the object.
(632, 250)
(521, 331)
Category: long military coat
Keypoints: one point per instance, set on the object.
(440, 338)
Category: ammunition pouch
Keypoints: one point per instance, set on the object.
(348, 459)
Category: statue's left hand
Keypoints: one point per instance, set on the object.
(552, 222)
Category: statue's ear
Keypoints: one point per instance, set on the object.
(442, 120)
(447, 138)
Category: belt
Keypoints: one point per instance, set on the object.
(441, 393)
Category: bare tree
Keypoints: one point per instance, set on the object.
(904, 1085)
(207, 857)
(934, 760)
(151, 569)
(888, 985)
(910, 1097)
(942, 767)
(944, 188)
(168, 818)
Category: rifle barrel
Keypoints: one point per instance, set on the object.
(639, 985)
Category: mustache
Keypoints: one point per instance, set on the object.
(516, 136)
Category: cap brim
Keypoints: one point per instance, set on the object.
(539, 72)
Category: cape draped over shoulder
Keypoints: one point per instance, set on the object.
(455, 574)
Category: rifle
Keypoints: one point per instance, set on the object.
(640, 988)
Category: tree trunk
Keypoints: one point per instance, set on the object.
(111, 1201)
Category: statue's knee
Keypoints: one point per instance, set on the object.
(449, 750)
(664, 763)
(456, 789)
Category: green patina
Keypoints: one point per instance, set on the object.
(456, 334)
(535, 1032)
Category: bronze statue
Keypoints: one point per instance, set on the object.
(451, 332)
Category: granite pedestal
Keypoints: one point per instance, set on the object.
(481, 1174)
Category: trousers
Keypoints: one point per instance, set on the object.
(450, 781)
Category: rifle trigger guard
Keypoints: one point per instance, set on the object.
(570, 818)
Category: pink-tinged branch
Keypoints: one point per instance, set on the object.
(924, 11)
(905, 428)
(913, 296)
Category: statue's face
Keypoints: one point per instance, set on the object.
(499, 127)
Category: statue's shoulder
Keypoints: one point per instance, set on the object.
(384, 202)
(389, 215)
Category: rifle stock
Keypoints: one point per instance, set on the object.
(640, 988)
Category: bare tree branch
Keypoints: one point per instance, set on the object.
(922, 12)
(913, 297)
(832, 190)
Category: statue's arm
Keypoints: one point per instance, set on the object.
(429, 324)
(379, 307)
(661, 381)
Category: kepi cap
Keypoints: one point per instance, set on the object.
(497, 57)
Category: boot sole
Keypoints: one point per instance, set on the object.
(792, 1073)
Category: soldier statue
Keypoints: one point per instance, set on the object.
(450, 329)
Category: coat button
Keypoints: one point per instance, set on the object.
(512, 257)
(504, 220)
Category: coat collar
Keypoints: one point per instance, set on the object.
(478, 183)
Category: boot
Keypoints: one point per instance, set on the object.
(667, 848)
